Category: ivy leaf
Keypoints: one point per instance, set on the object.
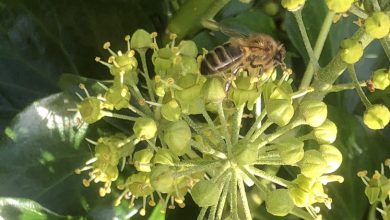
(18, 208)
(40, 40)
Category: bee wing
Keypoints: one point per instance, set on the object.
(225, 29)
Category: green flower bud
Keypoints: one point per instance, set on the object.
(377, 25)
(381, 79)
(188, 48)
(214, 90)
(314, 112)
(142, 160)
(165, 157)
(290, 151)
(332, 156)
(245, 153)
(187, 65)
(279, 202)
(273, 91)
(280, 111)
(376, 117)
(141, 40)
(312, 164)
(351, 51)
(293, 5)
(90, 110)
(177, 135)
(162, 179)
(171, 110)
(246, 92)
(339, 6)
(145, 128)
(190, 96)
(325, 133)
(271, 8)
(139, 184)
(118, 96)
(306, 191)
(205, 193)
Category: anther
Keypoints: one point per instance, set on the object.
(107, 46)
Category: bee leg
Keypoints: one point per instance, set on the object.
(229, 81)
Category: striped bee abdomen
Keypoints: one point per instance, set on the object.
(220, 59)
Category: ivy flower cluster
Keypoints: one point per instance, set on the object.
(188, 138)
(377, 189)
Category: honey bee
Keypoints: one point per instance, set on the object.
(257, 51)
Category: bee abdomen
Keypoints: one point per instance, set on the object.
(220, 59)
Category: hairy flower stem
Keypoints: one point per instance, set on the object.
(255, 125)
(211, 124)
(237, 118)
(139, 97)
(119, 116)
(244, 199)
(385, 42)
(300, 213)
(346, 86)
(328, 75)
(199, 168)
(202, 213)
(281, 131)
(358, 12)
(261, 130)
(306, 41)
(223, 197)
(271, 178)
(359, 90)
(233, 195)
(183, 25)
(262, 189)
(146, 75)
(319, 45)
(226, 134)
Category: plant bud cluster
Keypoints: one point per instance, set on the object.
(186, 137)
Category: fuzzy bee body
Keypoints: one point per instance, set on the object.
(258, 51)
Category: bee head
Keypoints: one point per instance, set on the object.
(280, 54)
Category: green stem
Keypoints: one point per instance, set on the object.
(272, 178)
(199, 168)
(120, 116)
(301, 214)
(207, 150)
(306, 41)
(233, 195)
(137, 111)
(358, 12)
(281, 131)
(222, 118)
(223, 197)
(237, 118)
(262, 189)
(211, 124)
(244, 199)
(139, 97)
(202, 213)
(146, 75)
(385, 42)
(359, 90)
(182, 25)
(255, 125)
(375, 4)
(261, 130)
(327, 75)
(309, 73)
(346, 86)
